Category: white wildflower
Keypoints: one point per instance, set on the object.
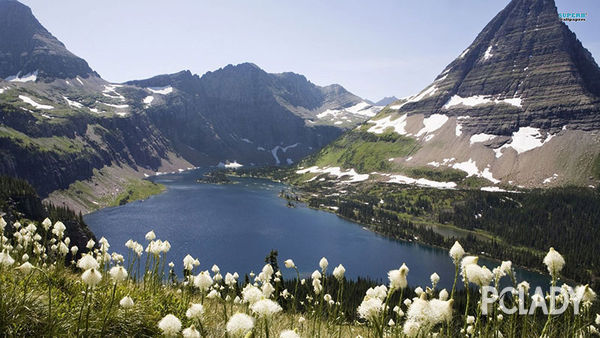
(240, 324)
(323, 263)
(126, 302)
(25, 268)
(289, 264)
(195, 311)
(5, 258)
(118, 274)
(87, 262)
(554, 261)
(91, 277)
(265, 308)
(190, 332)
(170, 325)
(457, 252)
(339, 272)
(150, 236)
(289, 334)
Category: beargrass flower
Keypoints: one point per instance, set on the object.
(59, 229)
(265, 308)
(91, 277)
(5, 258)
(289, 334)
(339, 272)
(25, 268)
(190, 332)
(126, 302)
(46, 224)
(289, 264)
(323, 263)
(370, 308)
(150, 235)
(435, 278)
(443, 295)
(456, 252)
(554, 261)
(118, 274)
(203, 281)
(87, 262)
(90, 244)
(240, 324)
(251, 294)
(195, 311)
(170, 325)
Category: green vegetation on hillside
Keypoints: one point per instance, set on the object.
(363, 151)
(137, 190)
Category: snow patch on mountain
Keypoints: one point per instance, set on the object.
(148, 100)
(161, 90)
(29, 101)
(432, 123)
(476, 100)
(470, 167)
(337, 172)
(73, 103)
(525, 139)
(398, 124)
(420, 182)
(31, 77)
(482, 137)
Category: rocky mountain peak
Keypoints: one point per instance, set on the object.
(27, 48)
(525, 68)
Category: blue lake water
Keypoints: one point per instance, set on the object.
(236, 225)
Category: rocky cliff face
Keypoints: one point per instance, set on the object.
(518, 107)
(246, 115)
(61, 123)
(28, 49)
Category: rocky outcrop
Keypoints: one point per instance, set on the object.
(518, 107)
(28, 48)
(242, 113)
(528, 59)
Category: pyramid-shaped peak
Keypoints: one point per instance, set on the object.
(527, 60)
(26, 47)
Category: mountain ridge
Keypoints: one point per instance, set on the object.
(518, 108)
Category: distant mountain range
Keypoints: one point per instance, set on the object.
(519, 107)
(62, 125)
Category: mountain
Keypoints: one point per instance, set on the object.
(243, 114)
(29, 51)
(518, 107)
(385, 101)
(84, 142)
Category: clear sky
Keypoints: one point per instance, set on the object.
(373, 48)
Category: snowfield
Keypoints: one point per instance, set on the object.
(525, 139)
(31, 77)
(483, 137)
(148, 100)
(476, 100)
(488, 53)
(73, 103)
(335, 171)
(361, 109)
(29, 101)
(432, 123)
(470, 167)
(421, 182)
(381, 125)
(161, 90)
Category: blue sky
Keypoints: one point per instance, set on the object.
(373, 48)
